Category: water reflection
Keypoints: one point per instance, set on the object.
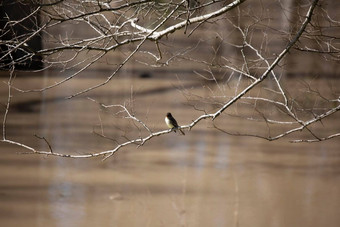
(205, 178)
(222, 158)
(63, 195)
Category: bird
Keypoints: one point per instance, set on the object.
(172, 123)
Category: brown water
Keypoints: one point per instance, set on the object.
(205, 178)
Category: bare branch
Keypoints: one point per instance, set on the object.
(255, 73)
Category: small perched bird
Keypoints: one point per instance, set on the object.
(172, 123)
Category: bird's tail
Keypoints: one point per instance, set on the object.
(181, 132)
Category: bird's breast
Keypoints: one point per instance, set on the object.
(168, 122)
